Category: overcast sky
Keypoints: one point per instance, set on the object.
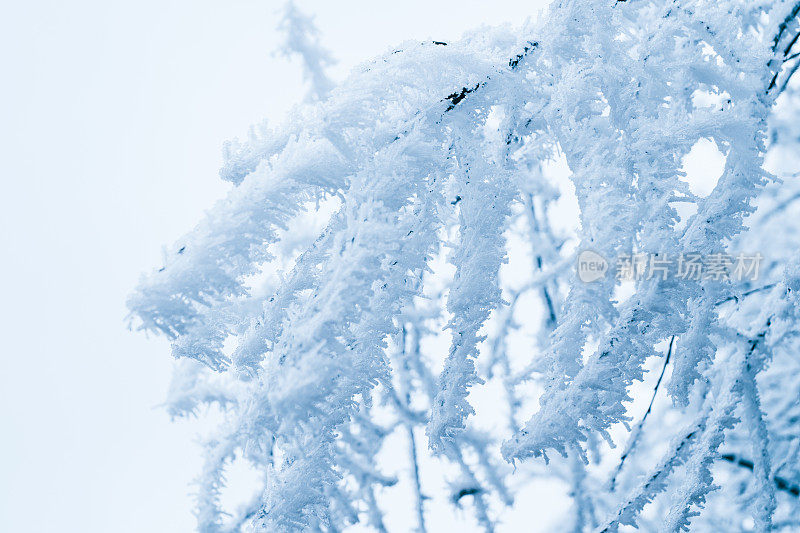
(112, 116)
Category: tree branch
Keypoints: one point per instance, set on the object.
(781, 483)
(637, 430)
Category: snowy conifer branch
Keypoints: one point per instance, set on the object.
(360, 285)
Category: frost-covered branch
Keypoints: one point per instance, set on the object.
(362, 282)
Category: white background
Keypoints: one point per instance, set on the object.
(112, 116)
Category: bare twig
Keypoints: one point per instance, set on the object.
(637, 430)
(781, 483)
(791, 17)
(745, 294)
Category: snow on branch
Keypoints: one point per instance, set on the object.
(393, 263)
